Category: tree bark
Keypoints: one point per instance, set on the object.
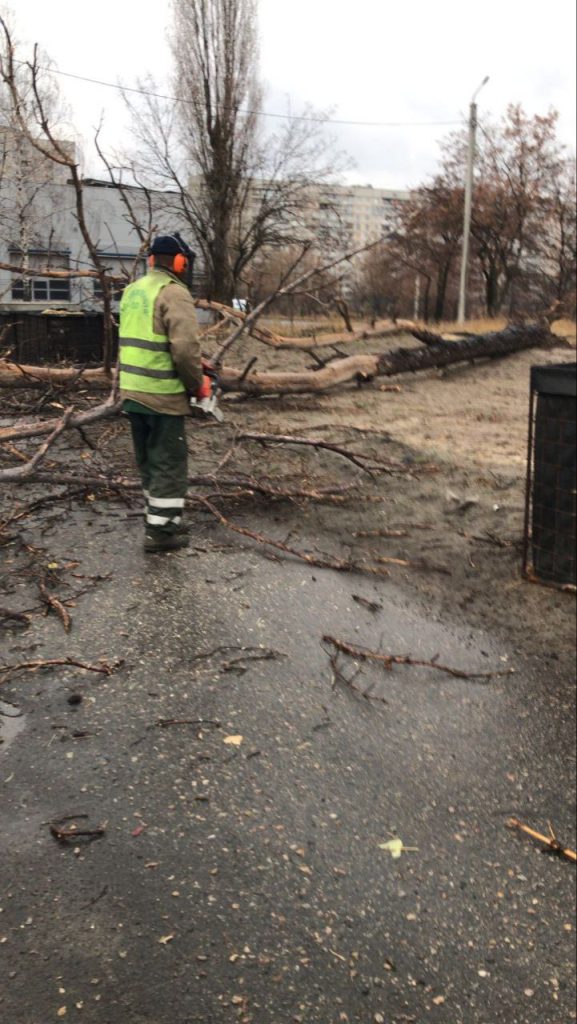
(410, 360)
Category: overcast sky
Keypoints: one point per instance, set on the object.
(412, 64)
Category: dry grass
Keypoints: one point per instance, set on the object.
(483, 325)
(307, 326)
(563, 328)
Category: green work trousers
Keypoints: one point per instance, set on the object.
(162, 458)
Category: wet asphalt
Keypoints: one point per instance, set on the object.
(246, 791)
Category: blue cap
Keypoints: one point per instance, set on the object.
(170, 245)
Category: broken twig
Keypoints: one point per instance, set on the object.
(389, 660)
(56, 606)
(550, 842)
(6, 671)
(339, 565)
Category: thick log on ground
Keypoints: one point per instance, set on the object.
(17, 375)
(389, 364)
(341, 371)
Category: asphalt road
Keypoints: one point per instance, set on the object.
(241, 874)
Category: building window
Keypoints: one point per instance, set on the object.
(41, 289)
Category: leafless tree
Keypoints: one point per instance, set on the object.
(240, 190)
(30, 96)
(523, 225)
(557, 245)
(30, 196)
(518, 160)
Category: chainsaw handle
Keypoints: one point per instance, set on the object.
(205, 389)
(209, 370)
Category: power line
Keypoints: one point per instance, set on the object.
(260, 113)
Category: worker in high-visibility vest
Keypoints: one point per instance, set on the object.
(160, 366)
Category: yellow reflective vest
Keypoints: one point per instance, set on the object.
(145, 361)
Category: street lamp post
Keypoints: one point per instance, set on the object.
(468, 204)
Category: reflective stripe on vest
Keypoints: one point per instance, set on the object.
(145, 361)
(141, 371)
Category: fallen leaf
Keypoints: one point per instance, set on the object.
(234, 741)
(394, 847)
(166, 939)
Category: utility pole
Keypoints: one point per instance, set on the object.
(468, 203)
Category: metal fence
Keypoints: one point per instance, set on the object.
(48, 338)
(549, 554)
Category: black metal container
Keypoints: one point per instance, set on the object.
(551, 512)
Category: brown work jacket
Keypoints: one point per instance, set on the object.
(175, 316)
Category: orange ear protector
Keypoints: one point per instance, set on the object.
(179, 263)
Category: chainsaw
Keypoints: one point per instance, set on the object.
(204, 405)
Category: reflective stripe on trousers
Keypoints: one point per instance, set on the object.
(163, 511)
(161, 452)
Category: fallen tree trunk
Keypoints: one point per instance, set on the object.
(17, 375)
(388, 364)
(341, 371)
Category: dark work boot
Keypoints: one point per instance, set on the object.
(182, 530)
(155, 543)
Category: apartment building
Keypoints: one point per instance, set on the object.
(356, 215)
(338, 217)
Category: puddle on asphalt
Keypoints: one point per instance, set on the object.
(12, 721)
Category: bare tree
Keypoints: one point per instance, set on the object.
(518, 159)
(429, 237)
(215, 50)
(386, 282)
(523, 223)
(31, 195)
(240, 191)
(557, 244)
(31, 102)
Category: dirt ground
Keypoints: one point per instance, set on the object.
(458, 502)
(447, 494)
